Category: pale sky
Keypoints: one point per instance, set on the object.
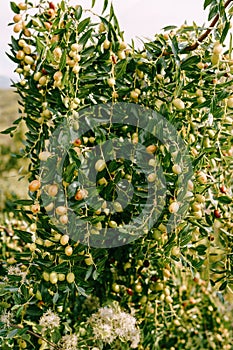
(138, 18)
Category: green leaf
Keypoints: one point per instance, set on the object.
(225, 31)
(93, 3)
(207, 3)
(105, 6)
(78, 13)
(83, 24)
(24, 235)
(62, 61)
(83, 40)
(190, 63)
(225, 199)
(223, 285)
(12, 333)
(8, 130)
(24, 202)
(14, 7)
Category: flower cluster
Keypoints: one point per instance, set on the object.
(68, 342)
(49, 320)
(7, 318)
(110, 323)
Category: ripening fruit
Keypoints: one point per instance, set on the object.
(178, 103)
(17, 28)
(215, 59)
(53, 278)
(34, 186)
(116, 288)
(101, 27)
(57, 76)
(118, 207)
(196, 206)
(70, 277)
(217, 214)
(22, 6)
(200, 198)
(43, 156)
(173, 207)
(121, 55)
(151, 177)
(111, 82)
(45, 276)
(64, 239)
(230, 102)
(123, 45)
(217, 49)
(129, 291)
(100, 165)
(106, 44)
(64, 219)
(61, 277)
(20, 55)
(37, 76)
(89, 261)
(202, 178)
(52, 6)
(80, 195)
(42, 80)
(35, 208)
(138, 288)
(17, 18)
(176, 169)
(68, 250)
(168, 299)
(112, 224)
(134, 95)
(53, 190)
(151, 149)
(197, 214)
(200, 65)
(61, 210)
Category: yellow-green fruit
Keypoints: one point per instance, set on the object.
(178, 103)
(61, 277)
(45, 276)
(64, 239)
(70, 277)
(53, 278)
(100, 165)
(68, 250)
(116, 288)
(173, 207)
(89, 261)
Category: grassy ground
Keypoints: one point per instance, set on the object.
(10, 186)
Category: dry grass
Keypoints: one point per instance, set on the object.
(9, 165)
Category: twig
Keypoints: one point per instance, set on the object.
(37, 336)
(207, 32)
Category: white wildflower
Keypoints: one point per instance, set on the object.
(110, 323)
(7, 318)
(68, 342)
(49, 320)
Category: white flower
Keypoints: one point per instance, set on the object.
(49, 320)
(68, 342)
(7, 318)
(110, 323)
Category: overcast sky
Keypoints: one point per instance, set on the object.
(138, 18)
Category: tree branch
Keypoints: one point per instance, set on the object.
(207, 32)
